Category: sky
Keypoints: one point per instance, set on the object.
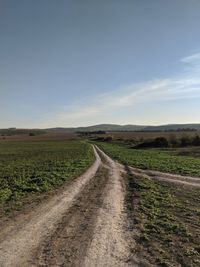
(66, 63)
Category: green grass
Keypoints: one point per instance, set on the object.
(27, 167)
(167, 220)
(153, 159)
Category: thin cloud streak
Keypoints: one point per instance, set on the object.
(191, 59)
(184, 86)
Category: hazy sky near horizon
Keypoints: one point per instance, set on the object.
(77, 63)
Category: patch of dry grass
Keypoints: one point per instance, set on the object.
(167, 220)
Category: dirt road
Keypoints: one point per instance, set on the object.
(84, 225)
(166, 177)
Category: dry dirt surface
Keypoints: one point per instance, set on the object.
(166, 177)
(85, 225)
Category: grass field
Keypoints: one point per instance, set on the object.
(164, 161)
(27, 167)
(38, 137)
(165, 221)
(186, 151)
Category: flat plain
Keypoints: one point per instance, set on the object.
(67, 202)
(28, 167)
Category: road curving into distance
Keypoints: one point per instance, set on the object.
(84, 225)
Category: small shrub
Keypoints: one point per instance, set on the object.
(185, 141)
(157, 142)
(196, 140)
(161, 142)
(108, 139)
(173, 140)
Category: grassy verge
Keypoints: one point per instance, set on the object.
(153, 159)
(167, 221)
(36, 167)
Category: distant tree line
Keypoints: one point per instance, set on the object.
(172, 141)
(14, 131)
(167, 130)
(90, 133)
(181, 130)
(104, 139)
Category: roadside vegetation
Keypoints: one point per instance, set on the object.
(165, 219)
(165, 222)
(36, 167)
(159, 160)
(171, 142)
(149, 140)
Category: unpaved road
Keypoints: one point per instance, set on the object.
(82, 226)
(166, 177)
(85, 225)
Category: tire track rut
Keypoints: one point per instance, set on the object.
(83, 226)
(67, 245)
(166, 177)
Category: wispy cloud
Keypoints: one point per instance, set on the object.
(194, 58)
(98, 109)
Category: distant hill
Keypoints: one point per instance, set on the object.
(117, 128)
(15, 131)
(173, 127)
(102, 127)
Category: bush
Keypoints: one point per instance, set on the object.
(145, 144)
(173, 140)
(157, 142)
(185, 141)
(196, 140)
(99, 139)
(161, 142)
(108, 139)
(104, 139)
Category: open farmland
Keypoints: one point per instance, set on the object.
(163, 214)
(76, 226)
(165, 222)
(44, 136)
(138, 136)
(28, 167)
(159, 160)
(78, 222)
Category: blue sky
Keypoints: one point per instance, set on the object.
(77, 63)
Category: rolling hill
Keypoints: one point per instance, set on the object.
(129, 127)
(102, 127)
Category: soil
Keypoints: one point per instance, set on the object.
(82, 225)
(166, 177)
